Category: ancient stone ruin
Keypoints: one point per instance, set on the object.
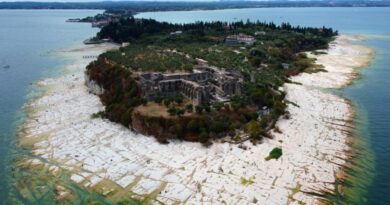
(204, 85)
(240, 38)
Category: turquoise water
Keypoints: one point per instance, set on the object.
(28, 44)
(369, 179)
(371, 94)
(29, 41)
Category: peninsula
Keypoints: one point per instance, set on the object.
(252, 93)
(201, 81)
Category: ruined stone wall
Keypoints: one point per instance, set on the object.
(187, 88)
(191, 85)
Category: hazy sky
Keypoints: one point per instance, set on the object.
(124, 0)
(97, 0)
(151, 0)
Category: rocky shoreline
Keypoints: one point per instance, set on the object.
(111, 160)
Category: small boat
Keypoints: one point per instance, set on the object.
(4, 65)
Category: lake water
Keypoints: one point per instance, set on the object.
(29, 41)
(28, 44)
(369, 179)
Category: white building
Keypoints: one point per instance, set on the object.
(240, 38)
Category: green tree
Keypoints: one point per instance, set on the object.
(193, 125)
(253, 129)
(199, 109)
(180, 112)
(207, 108)
(178, 99)
(158, 100)
(279, 107)
(189, 108)
(218, 106)
(203, 137)
(167, 102)
(226, 107)
(172, 111)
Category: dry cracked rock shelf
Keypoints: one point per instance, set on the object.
(107, 156)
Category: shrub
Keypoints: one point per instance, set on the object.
(180, 112)
(126, 118)
(254, 129)
(199, 109)
(172, 111)
(276, 153)
(246, 182)
(179, 130)
(167, 102)
(158, 100)
(279, 107)
(235, 106)
(216, 126)
(178, 99)
(189, 107)
(207, 108)
(193, 125)
(218, 106)
(204, 138)
(99, 114)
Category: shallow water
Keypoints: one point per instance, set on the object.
(29, 41)
(371, 95)
(369, 178)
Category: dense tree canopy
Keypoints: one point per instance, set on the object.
(277, 53)
(130, 29)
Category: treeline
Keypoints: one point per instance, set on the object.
(207, 124)
(130, 29)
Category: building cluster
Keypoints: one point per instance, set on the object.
(102, 20)
(176, 33)
(240, 38)
(203, 85)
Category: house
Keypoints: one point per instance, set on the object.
(240, 38)
(100, 24)
(176, 33)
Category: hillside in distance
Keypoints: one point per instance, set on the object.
(144, 6)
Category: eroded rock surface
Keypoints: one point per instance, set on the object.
(96, 151)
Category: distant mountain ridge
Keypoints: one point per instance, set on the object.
(144, 6)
